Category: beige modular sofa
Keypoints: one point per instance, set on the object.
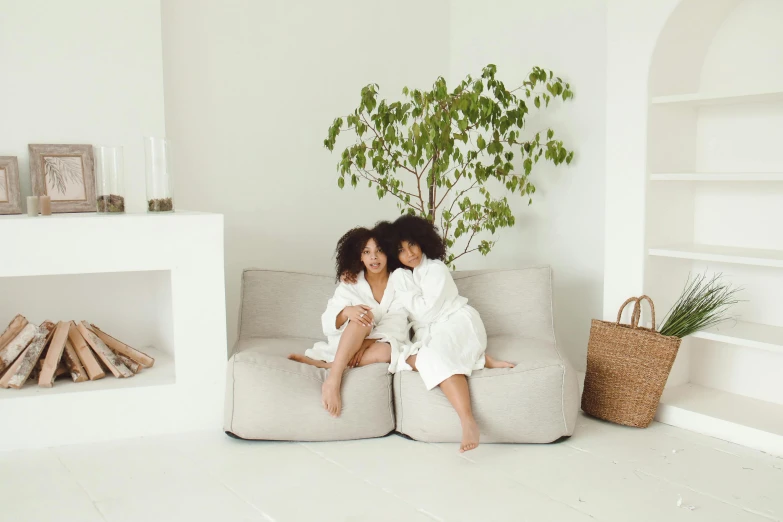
(272, 398)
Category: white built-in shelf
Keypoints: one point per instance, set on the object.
(161, 374)
(722, 254)
(751, 335)
(699, 98)
(728, 416)
(718, 176)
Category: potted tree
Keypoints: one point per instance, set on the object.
(442, 154)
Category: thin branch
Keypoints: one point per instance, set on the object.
(465, 252)
(369, 177)
(476, 228)
(461, 194)
(455, 216)
(388, 151)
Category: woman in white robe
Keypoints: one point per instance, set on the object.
(363, 323)
(449, 340)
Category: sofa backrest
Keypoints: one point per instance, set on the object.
(283, 304)
(515, 302)
(289, 304)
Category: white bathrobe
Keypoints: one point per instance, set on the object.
(449, 336)
(391, 319)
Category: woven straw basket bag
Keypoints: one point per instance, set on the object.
(627, 368)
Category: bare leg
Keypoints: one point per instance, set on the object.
(376, 353)
(350, 343)
(456, 390)
(307, 360)
(491, 362)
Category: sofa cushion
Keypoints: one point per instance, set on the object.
(282, 347)
(537, 401)
(511, 302)
(271, 398)
(283, 304)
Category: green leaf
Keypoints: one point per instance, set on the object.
(430, 127)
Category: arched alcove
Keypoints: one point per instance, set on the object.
(714, 204)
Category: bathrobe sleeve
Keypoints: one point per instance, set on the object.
(394, 323)
(343, 296)
(437, 287)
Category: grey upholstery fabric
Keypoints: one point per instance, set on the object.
(273, 398)
(524, 404)
(270, 397)
(537, 401)
(283, 304)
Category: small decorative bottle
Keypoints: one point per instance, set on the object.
(110, 186)
(158, 165)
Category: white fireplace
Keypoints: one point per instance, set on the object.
(154, 281)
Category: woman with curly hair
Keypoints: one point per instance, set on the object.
(362, 322)
(450, 340)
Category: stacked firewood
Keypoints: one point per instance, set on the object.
(44, 352)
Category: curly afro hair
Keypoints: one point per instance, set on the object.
(415, 229)
(348, 254)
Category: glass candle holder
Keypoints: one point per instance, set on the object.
(110, 185)
(157, 153)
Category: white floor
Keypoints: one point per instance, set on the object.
(604, 472)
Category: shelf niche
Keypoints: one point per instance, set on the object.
(715, 122)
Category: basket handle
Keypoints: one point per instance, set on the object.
(636, 311)
(652, 308)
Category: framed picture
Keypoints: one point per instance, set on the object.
(10, 196)
(65, 173)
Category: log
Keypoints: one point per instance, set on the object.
(17, 345)
(20, 371)
(13, 329)
(53, 355)
(123, 349)
(75, 368)
(131, 364)
(109, 358)
(90, 363)
(62, 369)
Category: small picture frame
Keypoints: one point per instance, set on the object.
(10, 195)
(66, 174)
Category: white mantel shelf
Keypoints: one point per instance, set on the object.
(183, 254)
(127, 239)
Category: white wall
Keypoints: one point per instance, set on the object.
(251, 88)
(82, 71)
(564, 226)
(632, 31)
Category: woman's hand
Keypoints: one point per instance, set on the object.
(357, 358)
(361, 314)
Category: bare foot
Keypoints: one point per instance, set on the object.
(330, 397)
(307, 360)
(470, 436)
(490, 362)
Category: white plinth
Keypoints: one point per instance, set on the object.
(157, 281)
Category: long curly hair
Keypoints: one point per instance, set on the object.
(348, 254)
(415, 229)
